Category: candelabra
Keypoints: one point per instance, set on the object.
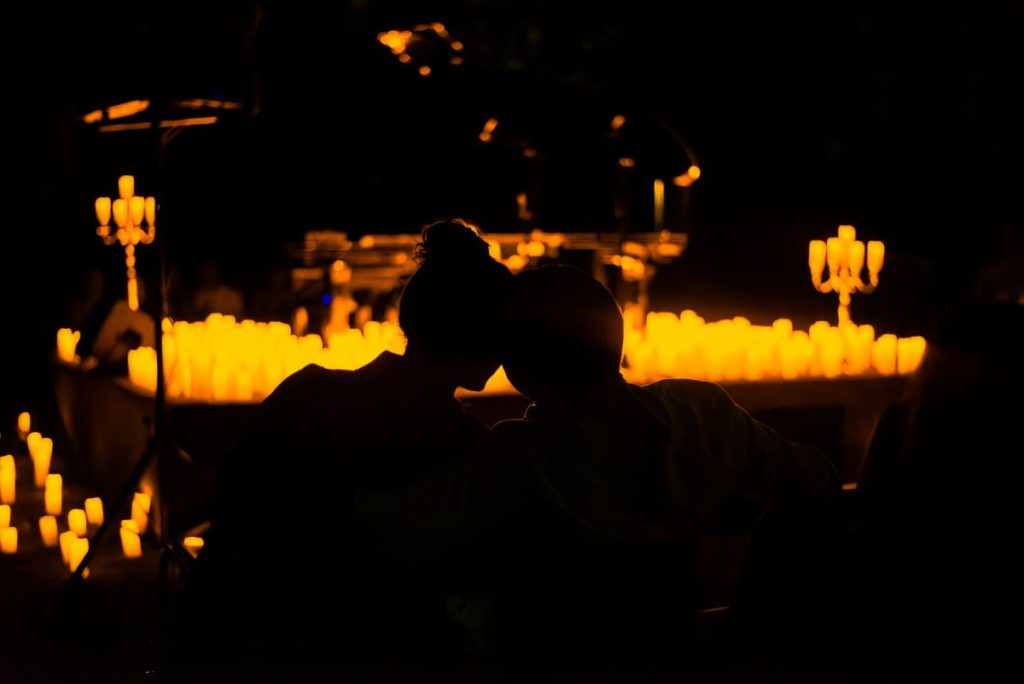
(130, 212)
(845, 256)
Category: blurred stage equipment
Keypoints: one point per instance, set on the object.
(129, 212)
(845, 256)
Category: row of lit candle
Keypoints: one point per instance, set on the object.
(686, 346)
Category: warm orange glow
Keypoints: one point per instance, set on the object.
(856, 257)
(404, 58)
(457, 45)
(79, 547)
(133, 294)
(140, 510)
(114, 128)
(67, 540)
(485, 136)
(524, 209)
(210, 104)
(77, 522)
(130, 525)
(876, 256)
(5, 515)
(396, 41)
(103, 210)
(9, 540)
(618, 121)
(847, 233)
(424, 71)
(456, 60)
(53, 493)
(24, 424)
(8, 477)
(120, 111)
(67, 343)
(131, 544)
(529, 152)
(627, 162)
(816, 256)
(693, 172)
(95, 116)
(41, 460)
(490, 125)
(193, 544)
(190, 121)
(659, 204)
(48, 530)
(137, 209)
(94, 510)
(683, 181)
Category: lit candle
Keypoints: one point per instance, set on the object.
(67, 343)
(856, 257)
(67, 540)
(7, 478)
(659, 204)
(94, 510)
(130, 542)
(5, 515)
(48, 530)
(834, 248)
(33, 443)
(77, 523)
(103, 210)
(126, 186)
(53, 494)
(876, 256)
(24, 424)
(41, 460)
(131, 525)
(137, 209)
(120, 208)
(151, 211)
(816, 257)
(79, 548)
(140, 510)
(133, 294)
(847, 233)
(9, 540)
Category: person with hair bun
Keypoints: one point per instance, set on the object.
(324, 433)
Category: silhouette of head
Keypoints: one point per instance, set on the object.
(451, 307)
(566, 337)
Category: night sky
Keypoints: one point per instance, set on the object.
(901, 121)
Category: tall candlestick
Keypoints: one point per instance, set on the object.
(94, 510)
(48, 530)
(9, 540)
(53, 494)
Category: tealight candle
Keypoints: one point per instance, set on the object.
(77, 522)
(48, 530)
(9, 540)
(94, 510)
(53, 493)
(130, 542)
(41, 460)
(5, 516)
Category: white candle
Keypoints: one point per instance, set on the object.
(48, 530)
(53, 494)
(94, 510)
(9, 540)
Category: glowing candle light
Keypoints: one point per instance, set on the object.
(94, 510)
(77, 522)
(133, 296)
(79, 547)
(140, 510)
(659, 204)
(24, 424)
(48, 530)
(53, 494)
(131, 544)
(41, 460)
(120, 209)
(7, 479)
(151, 211)
(131, 525)
(5, 515)
(876, 256)
(33, 443)
(67, 540)
(137, 209)
(103, 210)
(126, 186)
(847, 233)
(856, 257)
(816, 257)
(834, 249)
(9, 540)
(67, 343)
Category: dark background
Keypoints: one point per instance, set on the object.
(902, 121)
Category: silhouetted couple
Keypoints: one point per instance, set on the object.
(367, 509)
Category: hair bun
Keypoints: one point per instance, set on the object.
(452, 243)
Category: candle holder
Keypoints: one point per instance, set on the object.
(845, 256)
(130, 213)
